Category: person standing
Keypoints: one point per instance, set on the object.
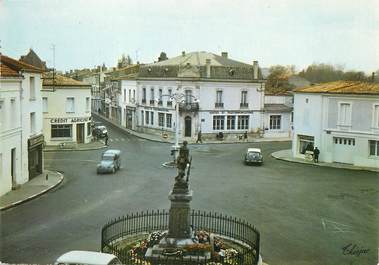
(199, 137)
(245, 136)
(106, 139)
(316, 153)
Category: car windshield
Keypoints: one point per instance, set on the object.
(107, 158)
(253, 154)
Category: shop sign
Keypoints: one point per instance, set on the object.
(69, 120)
(35, 141)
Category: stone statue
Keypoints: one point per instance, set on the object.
(182, 162)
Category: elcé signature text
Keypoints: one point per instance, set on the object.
(354, 250)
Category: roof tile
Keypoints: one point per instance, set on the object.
(341, 87)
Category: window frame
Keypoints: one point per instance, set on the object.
(73, 105)
(273, 122)
(218, 122)
(69, 127)
(242, 125)
(347, 120)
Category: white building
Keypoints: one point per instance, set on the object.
(341, 119)
(218, 95)
(278, 115)
(20, 123)
(66, 110)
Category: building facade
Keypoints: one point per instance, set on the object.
(214, 94)
(66, 111)
(278, 115)
(341, 119)
(21, 139)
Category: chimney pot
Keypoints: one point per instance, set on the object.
(224, 54)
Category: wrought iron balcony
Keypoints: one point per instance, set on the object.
(219, 105)
(244, 105)
(152, 101)
(189, 106)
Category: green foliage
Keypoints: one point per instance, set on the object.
(277, 80)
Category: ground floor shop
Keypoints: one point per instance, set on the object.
(35, 156)
(73, 130)
(340, 147)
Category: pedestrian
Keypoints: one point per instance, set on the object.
(316, 153)
(245, 136)
(199, 137)
(106, 139)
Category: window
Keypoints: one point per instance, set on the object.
(144, 95)
(292, 116)
(374, 148)
(124, 95)
(188, 96)
(218, 122)
(160, 93)
(87, 104)
(219, 96)
(344, 141)
(152, 117)
(32, 122)
(130, 95)
(376, 116)
(45, 105)
(70, 105)
(170, 92)
(147, 116)
(32, 88)
(344, 116)
(275, 122)
(244, 97)
(160, 119)
(306, 143)
(142, 118)
(168, 120)
(134, 95)
(231, 122)
(243, 122)
(61, 130)
(152, 94)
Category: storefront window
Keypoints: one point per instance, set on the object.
(306, 143)
(61, 130)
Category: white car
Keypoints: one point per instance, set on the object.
(87, 257)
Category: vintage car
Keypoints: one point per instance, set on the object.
(253, 156)
(100, 131)
(110, 161)
(87, 257)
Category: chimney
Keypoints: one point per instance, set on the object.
(224, 54)
(183, 53)
(255, 70)
(208, 67)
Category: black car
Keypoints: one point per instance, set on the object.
(100, 131)
(253, 156)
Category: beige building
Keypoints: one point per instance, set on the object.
(66, 107)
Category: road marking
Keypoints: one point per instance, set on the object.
(335, 227)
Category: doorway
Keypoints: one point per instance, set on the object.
(13, 165)
(80, 133)
(187, 126)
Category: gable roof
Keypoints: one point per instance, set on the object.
(33, 59)
(60, 80)
(342, 87)
(18, 65)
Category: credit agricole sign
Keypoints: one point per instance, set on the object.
(70, 120)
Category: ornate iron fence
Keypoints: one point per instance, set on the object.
(229, 228)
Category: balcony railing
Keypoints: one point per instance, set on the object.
(152, 101)
(189, 106)
(244, 105)
(219, 105)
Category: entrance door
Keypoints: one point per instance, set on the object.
(13, 165)
(80, 133)
(343, 150)
(188, 126)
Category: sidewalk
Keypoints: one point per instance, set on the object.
(157, 138)
(286, 155)
(31, 189)
(78, 147)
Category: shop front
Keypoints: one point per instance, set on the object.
(35, 164)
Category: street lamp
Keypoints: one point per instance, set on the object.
(178, 98)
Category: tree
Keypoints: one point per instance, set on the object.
(124, 61)
(277, 80)
(321, 73)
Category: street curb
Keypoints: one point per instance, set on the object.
(73, 150)
(166, 165)
(322, 165)
(35, 195)
(168, 142)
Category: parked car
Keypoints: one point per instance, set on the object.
(87, 257)
(110, 161)
(253, 156)
(100, 131)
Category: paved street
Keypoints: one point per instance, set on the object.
(306, 214)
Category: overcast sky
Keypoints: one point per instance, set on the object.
(89, 32)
